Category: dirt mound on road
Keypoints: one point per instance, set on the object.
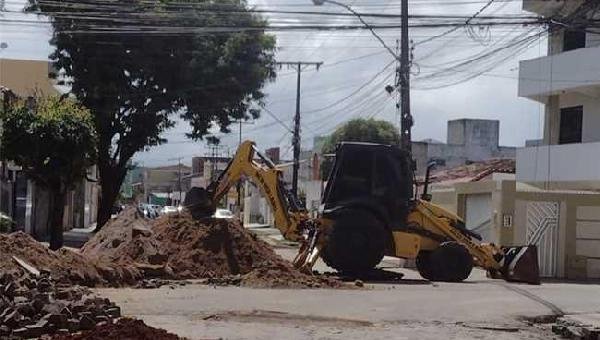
(123, 329)
(65, 266)
(178, 247)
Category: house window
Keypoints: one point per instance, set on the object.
(571, 119)
(573, 39)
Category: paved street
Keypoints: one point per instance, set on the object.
(409, 309)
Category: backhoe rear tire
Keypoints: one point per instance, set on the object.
(355, 243)
(450, 262)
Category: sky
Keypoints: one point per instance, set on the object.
(350, 60)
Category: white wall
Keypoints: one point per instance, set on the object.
(568, 71)
(570, 162)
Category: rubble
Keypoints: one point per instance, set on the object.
(577, 327)
(34, 305)
(179, 248)
(122, 329)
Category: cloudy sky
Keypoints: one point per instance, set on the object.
(352, 60)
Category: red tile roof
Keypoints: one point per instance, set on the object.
(475, 171)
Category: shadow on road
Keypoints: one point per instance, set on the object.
(378, 276)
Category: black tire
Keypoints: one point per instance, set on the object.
(355, 243)
(451, 262)
(198, 203)
(424, 267)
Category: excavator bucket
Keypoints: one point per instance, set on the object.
(199, 203)
(520, 264)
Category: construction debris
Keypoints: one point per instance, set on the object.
(122, 329)
(579, 327)
(179, 247)
(34, 305)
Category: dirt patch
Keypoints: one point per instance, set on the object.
(123, 329)
(178, 247)
(65, 266)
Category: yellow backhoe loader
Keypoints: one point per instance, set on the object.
(369, 210)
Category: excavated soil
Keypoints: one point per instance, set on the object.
(65, 266)
(178, 247)
(125, 328)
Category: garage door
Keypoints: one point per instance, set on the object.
(478, 216)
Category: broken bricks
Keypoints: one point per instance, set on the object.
(48, 308)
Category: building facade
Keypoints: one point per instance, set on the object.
(567, 83)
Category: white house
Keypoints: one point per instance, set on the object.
(567, 82)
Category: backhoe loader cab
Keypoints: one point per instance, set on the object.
(368, 195)
(374, 177)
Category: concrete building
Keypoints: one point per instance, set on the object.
(563, 224)
(469, 140)
(567, 83)
(561, 170)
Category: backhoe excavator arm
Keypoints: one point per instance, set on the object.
(249, 163)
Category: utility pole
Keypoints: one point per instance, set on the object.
(297, 65)
(406, 120)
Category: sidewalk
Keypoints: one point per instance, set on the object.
(77, 237)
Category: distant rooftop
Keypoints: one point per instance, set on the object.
(475, 171)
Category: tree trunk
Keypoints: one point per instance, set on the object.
(110, 184)
(56, 214)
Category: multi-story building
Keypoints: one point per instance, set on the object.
(567, 83)
(562, 214)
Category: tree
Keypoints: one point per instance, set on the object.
(138, 65)
(54, 141)
(359, 130)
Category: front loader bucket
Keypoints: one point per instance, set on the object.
(199, 203)
(520, 264)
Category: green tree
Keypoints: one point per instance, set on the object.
(54, 141)
(138, 65)
(359, 130)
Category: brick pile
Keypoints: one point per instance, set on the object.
(34, 305)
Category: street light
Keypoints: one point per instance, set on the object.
(406, 121)
(366, 24)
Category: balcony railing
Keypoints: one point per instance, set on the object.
(577, 70)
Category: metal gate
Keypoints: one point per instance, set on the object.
(542, 230)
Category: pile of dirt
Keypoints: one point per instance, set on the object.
(32, 304)
(65, 266)
(122, 329)
(178, 247)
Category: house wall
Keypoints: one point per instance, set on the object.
(578, 220)
(25, 77)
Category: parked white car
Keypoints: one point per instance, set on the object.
(223, 213)
(169, 209)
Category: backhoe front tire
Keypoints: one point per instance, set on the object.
(355, 243)
(424, 267)
(450, 262)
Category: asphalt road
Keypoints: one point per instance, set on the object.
(411, 308)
